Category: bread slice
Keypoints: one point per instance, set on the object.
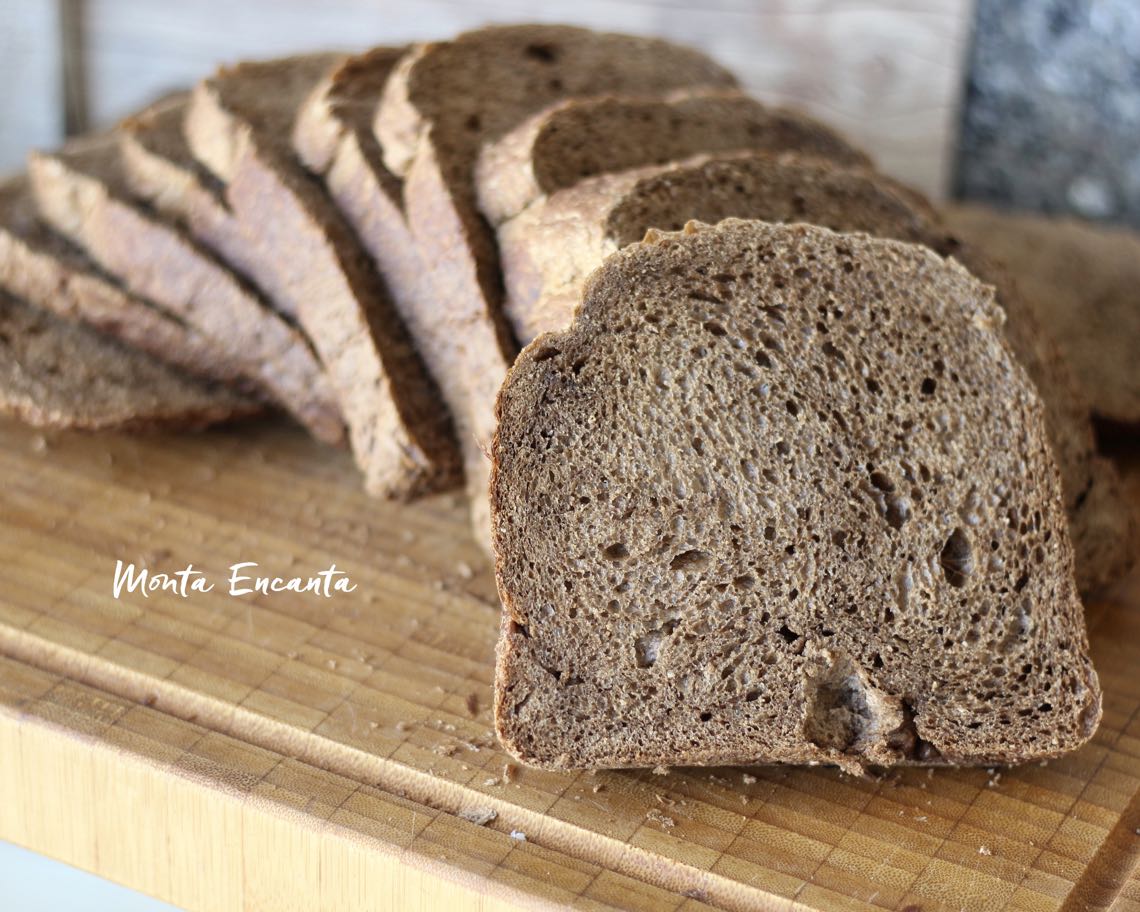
(782, 495)
(333, 138)
(80, 192)
(56, 373)
(582, 137)
(443, 102)
(44, 269)
(160, 169)
(1081, 280)
(239, 125)
(550, 248)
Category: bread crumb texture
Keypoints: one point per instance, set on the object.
(782, 495)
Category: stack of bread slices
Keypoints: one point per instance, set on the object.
(366, 242)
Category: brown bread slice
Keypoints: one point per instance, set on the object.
(56, 373)
(160, 169)
(549, 249)
(444, 101)
(1083, 282)
(41, 267)
(333, 138)
(583, 137)
(782, 495)
(80, 192)
(239, 125)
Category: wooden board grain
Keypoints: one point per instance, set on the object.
(286, 751)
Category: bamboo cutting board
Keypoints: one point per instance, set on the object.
(289, 751)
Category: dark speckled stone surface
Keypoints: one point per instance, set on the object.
(1051, 119)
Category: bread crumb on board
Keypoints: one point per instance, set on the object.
(478, 816)
(519, 835)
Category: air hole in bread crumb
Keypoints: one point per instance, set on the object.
(544, 53)
(715, 328)
(706, 716)
(691, 560)
(898, 511)
(789, 635)
(882, 481)
(957, 558)
(615, 551)
(928, 386)
(546, 353)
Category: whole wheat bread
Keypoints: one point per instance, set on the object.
(782, 495)
(443, 102)
(1082, 281)
(550, 248)
(44, 269)
(582, 137)
(239, 125)
(80, 192)
(56, 373)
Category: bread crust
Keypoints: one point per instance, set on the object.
(239, 125)
(80, 192)
(579, 138)
(333, 137)
(47, 271)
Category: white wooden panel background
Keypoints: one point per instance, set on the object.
(886, 72)
(31, 110)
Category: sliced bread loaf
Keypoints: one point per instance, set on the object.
(782, 495)
(443, 102)
(582, 137)
(56, 373)
(1082, 281)
(239, 125)
(81, 193)
(550, 248)
(44, 269)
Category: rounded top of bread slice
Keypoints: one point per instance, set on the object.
(781, 494)
(578, 138)
(476, 87)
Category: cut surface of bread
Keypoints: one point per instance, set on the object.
(56, 373)
(442, 103)
(1083, 281)
(239, 125)
(583, 137)
(550, 248)
(80, 192)
(782, 495)
(44, 269)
